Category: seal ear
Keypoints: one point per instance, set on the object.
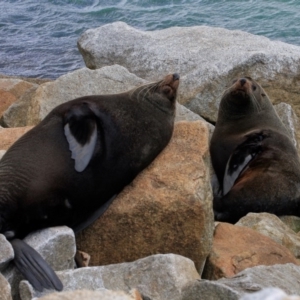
(240, 159)
(81, 132)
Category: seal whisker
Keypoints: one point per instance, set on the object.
(256, 103)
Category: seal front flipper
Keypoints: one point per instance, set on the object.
(34, 268)
(81, 132)
(240, 159)
(94, 216)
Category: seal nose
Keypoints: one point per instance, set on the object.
(242, 81)
(176, 76)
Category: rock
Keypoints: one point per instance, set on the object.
(236, 248)
(272, 227)
(246, 283)
(56, 245)
(10, 90)
(9, 135)
(290, 120)
(166, 209)
(270, 294)
(254, 279)
(158, 277)
(210, 59)
(82, 259)
(184, 114)
(292, 222)
(6, 252)
(208, 290)
(17, 113)
(90, 295)
(5, 291)
(82, 82)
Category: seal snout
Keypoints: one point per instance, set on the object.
(243, 81)
(176, 76)
(241, 86)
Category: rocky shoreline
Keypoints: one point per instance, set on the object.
(158, 238)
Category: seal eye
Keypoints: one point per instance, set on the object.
(253, 87)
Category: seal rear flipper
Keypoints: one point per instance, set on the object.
(81, 132)
(34, 268)
(240, 159)
(94, 216)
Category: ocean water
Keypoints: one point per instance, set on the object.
(39, 38)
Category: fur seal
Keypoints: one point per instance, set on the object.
(256, 163)
(68, 169)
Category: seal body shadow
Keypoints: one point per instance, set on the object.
(256, 163)
(68, 169)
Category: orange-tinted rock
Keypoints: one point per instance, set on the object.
(11, 90)
(9, 135)
(166, 209)
(236, 248)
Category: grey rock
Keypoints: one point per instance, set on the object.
(292, 222)
(271, 226)
(5, 290)
(6, 252)
(208, 290)
(184, 114)
(88, 295)
(246, 283)
(82, 82)
(56, 245)
(270, 294)
(159, 277)
(210, 59)
(257, 278)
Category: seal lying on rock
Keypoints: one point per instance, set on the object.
(68, 169)
(254, 158)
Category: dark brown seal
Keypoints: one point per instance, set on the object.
(67, 169)
(255, 161)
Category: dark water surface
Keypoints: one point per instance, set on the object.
(38, 38)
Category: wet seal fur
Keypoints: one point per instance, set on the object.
(256, 163)
(68, 169)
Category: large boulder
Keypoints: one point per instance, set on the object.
(236, 248)
(166, 209)
(206, 57)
